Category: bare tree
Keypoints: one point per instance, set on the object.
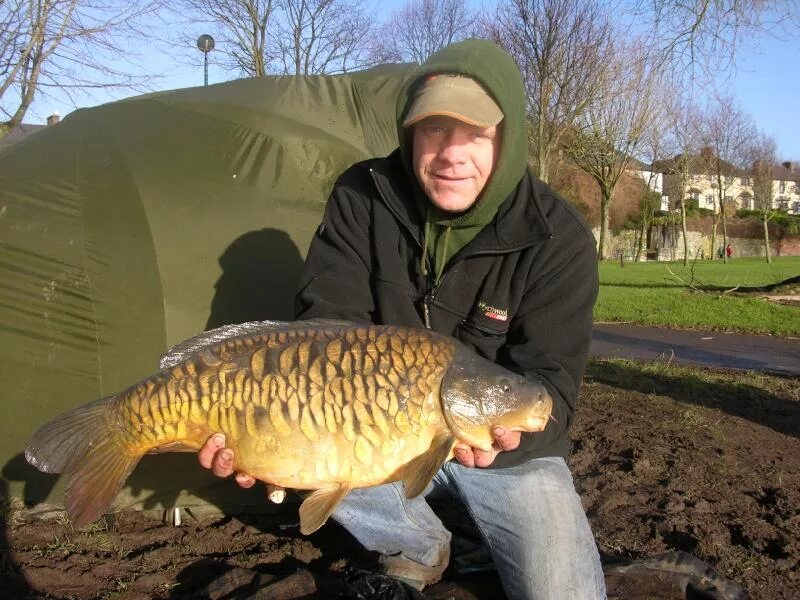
(764, 156)
(559, 46)
(650, 200)
(240, 27)
(728, 131)
(614, 126)
(288, 37)
(649, 203)
(419, 28)
(65, 45)
(321, 36)
(711, 30)
(683, 140)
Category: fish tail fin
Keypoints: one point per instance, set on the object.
(79, 444)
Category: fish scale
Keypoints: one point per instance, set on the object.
(325, 406)
(230, 384)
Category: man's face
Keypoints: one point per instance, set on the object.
(453, 160)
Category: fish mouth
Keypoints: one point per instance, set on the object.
(536, 420)
(532, 425)
(481, 436)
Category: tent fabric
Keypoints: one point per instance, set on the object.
(131, 226)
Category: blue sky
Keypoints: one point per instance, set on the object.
(764, 81)
(767, 86)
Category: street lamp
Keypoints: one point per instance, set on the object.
(206, 44)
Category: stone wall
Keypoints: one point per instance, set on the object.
(699, 246)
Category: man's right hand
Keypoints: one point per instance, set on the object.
(215, 456)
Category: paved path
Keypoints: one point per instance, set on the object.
(704, 348)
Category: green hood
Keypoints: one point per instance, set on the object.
(490, 65)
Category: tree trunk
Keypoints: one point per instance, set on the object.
(541, 168)
(724, 234)
(766, 240)
(605, 200)
(673, 244)
(542, 153)
(640, 241)
(685, 238)
(714, 239)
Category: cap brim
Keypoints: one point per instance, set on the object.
(454, 96)
(417, 117)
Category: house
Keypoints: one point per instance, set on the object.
(786, 188)
(653, 179)
(695, 177)
(23, 130)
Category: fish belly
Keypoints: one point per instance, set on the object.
(299, 463)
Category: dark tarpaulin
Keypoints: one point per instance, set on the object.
(133, 225)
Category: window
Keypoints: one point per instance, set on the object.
(745, 181)
(783, 203)
(709, 200)
(796, 207)
(782, 187)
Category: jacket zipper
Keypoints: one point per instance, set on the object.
(430, 295)
(426, 305)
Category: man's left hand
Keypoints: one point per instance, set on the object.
(504, 440)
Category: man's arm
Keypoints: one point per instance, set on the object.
(549, 338)
(548, 341)
(335, 282)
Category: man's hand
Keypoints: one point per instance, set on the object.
(504, 440)
(215, 456)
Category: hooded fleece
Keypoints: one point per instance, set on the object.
(486, 63)
(519, 292)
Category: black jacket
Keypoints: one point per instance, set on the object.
(520, 293)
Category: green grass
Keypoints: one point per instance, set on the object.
(648, 294)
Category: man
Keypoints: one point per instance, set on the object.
(452, 232)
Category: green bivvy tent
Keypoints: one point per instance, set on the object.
(131, 226)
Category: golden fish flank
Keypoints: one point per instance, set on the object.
(319, 405)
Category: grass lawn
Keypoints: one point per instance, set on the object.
(647, 293)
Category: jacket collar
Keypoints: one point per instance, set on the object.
(520, 220)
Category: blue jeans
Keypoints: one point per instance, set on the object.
(530, 517)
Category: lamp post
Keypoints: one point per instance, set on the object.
(206, 44)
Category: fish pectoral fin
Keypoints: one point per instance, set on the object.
(418, 473)
(317, 507)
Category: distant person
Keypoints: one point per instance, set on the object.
(729, 251)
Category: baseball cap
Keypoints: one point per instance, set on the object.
(454, 96)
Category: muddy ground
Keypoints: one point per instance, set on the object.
(670, 459)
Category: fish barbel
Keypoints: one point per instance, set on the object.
(314, 405)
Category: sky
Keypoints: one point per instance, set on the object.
(763, 79)
(767, 86)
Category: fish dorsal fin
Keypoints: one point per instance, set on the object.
(418, 473)
(180, 352)
(317, 507)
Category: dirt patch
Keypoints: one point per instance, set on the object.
(785, 299)
(665, 459)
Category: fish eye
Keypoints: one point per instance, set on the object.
(505, 386)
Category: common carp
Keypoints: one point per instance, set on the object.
(312, 405)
